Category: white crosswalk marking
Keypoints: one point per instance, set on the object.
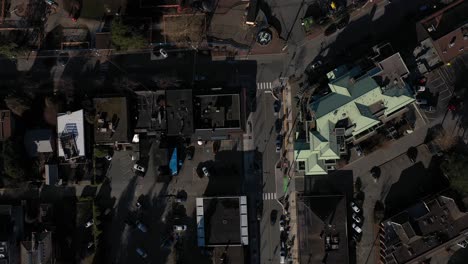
(269, 196)
(264, 86)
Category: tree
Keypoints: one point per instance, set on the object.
(454, 168)
(10, 49)
(18, 104)
(13, 159)
(126, 38)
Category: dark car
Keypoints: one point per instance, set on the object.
(190, 152)
(330, 29)
(273, 216)
(277, 106)
(278, 125)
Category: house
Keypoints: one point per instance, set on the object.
(37, 250)
(111, 121)
(422, 231)
(222, 221)
(38, 141)
(446, 30)
(5, 124)
(359, 103)
(70, 133)
(322, 230)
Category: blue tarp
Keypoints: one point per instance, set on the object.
(173, 163)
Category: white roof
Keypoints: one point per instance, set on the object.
(72, 121)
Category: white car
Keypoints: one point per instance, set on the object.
(358, 150)
(89, 223)
(138, 168)
(463, 243)
(282, 225)
(420, 88)
(355, 207)
(316, 65)
(205, 172)
(356, 218)
(180, 228)
(108, 157)
(282, 257)
(356, 228)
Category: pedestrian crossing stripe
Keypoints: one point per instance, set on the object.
(264, 85)
(269, 196)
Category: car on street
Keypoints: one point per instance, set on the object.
(138, 168)
(141, 252)
(159, 54)
(205, 172)
(138, 205)
(108, 157)
(356, 218)
(427, 108)
(190, 152)
(279, 143)
(356, 228)
(179, 228)
(355, 207)
(278, 125)
(89, 223)
(273, 216)
(277, 106)
(141, 226)
(420, 88)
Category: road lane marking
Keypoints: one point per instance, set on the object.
(264, 86)
(269, 196)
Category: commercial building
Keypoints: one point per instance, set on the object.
(322, 229)
(446, 30)
(422, 231)
(70, 133)
(111, 121)
(359, 103)
(222, 221)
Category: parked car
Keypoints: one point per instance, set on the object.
(316, 64)
(141, 226)
(421, 101)
(282, 257)
(358, 150)
(190, 151)
(108, 157)
(273, 216)
(159, 54)
(463, 243)
(141, 253)
(179, 228)
(138, 168)
(355, 207)
(420, 88)
(205, 172)
(282, 224)
(89, 223)
(356, 228)
(330, 29)
(278, 125)
(138, 205)
(356, 218)
(427, 108)
(277, 106)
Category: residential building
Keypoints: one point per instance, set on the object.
(38, 141)
(111, 121)
(422, 231)
(359, 103)
(37, 250)
(179, 111)
(222, 221)
(5, 124)
(151, 111)
(322, 229)
(447, 30)
(70, 133)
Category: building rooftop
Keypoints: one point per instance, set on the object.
(151, 111)
(5, 124)
(111, 121)
(222, 221)
(38, 141)
(424, 227)
(322, 222)
(217, 111)
(179, 111)
(70, 133)
(359, 101)
(446, 20)
(38, 250)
